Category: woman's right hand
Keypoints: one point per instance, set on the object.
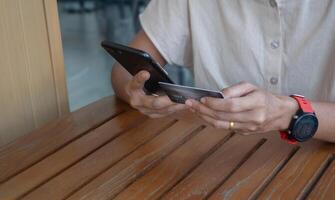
(152, 106)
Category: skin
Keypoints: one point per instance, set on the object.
(130, 89)
(252, 109)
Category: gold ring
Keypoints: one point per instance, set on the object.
(231, 125)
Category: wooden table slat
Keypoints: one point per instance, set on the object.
(114, 180)
(109, 151)
(293, 181)
(99, 161)
(325, 188)
(35, 146)
(175, 167)
(206, 177)
(254, 174)
(55, 163)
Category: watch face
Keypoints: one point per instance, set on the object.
(305, 127)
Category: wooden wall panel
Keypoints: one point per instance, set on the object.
(56, 53)
(29, 59)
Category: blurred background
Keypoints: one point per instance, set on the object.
(84, 24)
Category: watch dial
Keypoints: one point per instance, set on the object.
(305, 127)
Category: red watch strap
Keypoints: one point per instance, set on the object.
(304, 104)
(306, 107)
(284, 136)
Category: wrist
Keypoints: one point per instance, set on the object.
(289, 108)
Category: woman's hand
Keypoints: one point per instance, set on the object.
(152, 106)
(251, 109)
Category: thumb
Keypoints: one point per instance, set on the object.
(238, 90)
(139, 79)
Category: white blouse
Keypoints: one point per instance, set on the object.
(284, 46)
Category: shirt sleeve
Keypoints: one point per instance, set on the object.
(166, 22)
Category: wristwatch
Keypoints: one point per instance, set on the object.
(304, 123)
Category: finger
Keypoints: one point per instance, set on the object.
(155, 116)
(168, 110)
(201, 109)
(145, 110)
(238, 90)
(251, 116)
(152, 113)
(164, 112)
(242, 127)
(137, 83)
(176, 108)
(156, 103)
(238, 104)
(246, 133)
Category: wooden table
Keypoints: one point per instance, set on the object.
(109, 151)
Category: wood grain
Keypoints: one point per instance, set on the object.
(256, 172)
(55, 163)
(114, 180)
(109, 151)
(325, 188)
(176, 166)
(30, 149)
(296, 177)
(102, 159)
(38, 62)
(215, 169)
(32, 85)
(56, 55)
(17, 113)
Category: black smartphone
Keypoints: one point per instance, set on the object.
(180, 93)
(135, 60)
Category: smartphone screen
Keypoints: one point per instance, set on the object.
(134, 61)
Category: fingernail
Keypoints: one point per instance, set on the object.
(144, 75)
(188, 103)
(203, 100)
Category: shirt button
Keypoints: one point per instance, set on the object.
(273, 3)
(275, 44)
(274, 81)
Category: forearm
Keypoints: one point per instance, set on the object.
(326, 116)
(325, 113)
(120, 78)
(253, 110)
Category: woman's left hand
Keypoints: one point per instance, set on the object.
(251, 109)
